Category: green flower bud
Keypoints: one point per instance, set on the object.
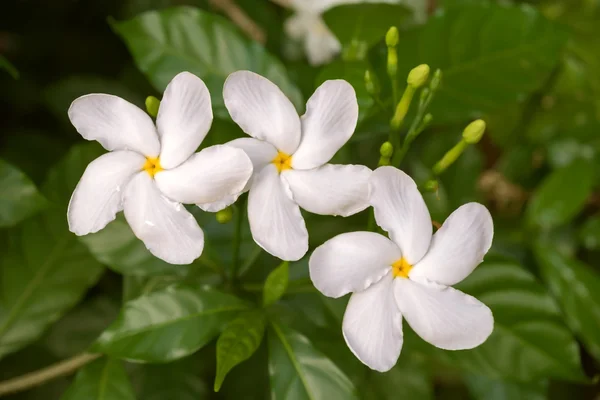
(474, 131)
(418, 76)
(152, 105)
(391, 37)
(371, 83)
(224, 216)
(431, 185)
(427, 119)
(386, 150)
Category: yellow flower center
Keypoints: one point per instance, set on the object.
(152, 166)
(282, 161)
(401, 268)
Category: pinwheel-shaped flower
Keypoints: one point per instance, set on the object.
(150, 170)
(290, 155)
(408, 276)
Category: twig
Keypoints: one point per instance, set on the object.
(283, 3)
(239, 17)
(44, 375)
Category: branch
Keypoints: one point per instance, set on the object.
(44, 375)
(239, 17)
(283, 3)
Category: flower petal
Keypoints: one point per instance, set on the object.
(167, 229)
(458, 246)
(184, 118)
(219, 205)
(443, 316)
(372, 326)
(261, 109)
(260, 152)
(115, 123)
(275, 220)
(330, 120)
(330, 189)
(351, 262)
(97, 197)
(400, 210)
(211, 175)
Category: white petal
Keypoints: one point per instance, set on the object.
(260, 152)
(400, 210)
(351, 262)
(275, 220)
(219, 205)
(167, 229)
(320, 44)
(261, 109)
(330, 119)
(211, 175)
(372, 326)
(184, 118)
(97, 197)
(458, 246)
(115, 123)
(330, 189)
(443, 316)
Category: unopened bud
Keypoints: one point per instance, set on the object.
(224, 216)
(152, 105)
(474, 131)
(371, 83)
(418, 76)
(386, 150)
(431, 185)
(427, 119)
(391, 37)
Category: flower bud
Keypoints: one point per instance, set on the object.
(474, 131)
(391, 37)
(152, 105)
(386, 150)
(418, 76)
(371, 83)
(431, 185)
(224, 216)
(427, 119)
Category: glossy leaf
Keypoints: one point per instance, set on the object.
(529, 341)
(238, 342)
(276, 284)
(589, 234)
(483, 388)
(299, 371)
(165, 43)
(354, 22)
(562, 195)
(19, 198)
(104, 379)
(178, 380)
(408, 380)
(485, 66)
(168, 324)
(576, 286)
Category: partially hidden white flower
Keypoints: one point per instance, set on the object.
(290, 156)
(408, 276)
(150, 170)
(320, 45)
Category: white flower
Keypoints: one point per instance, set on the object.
(289, 154)
(408, 276)
(320, 45)
(150, 170)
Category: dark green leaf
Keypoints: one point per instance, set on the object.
(238, 342)
(577, 288)
(485, 65)
(589, 234)
(8, 67)
(19, 198)
(276, 284)
(168, 324)
(365, 23)
(104, 379)
(562, 195)
(484, 388)
(164, 43)
(299, 371)
(408, 380)
(529, 341)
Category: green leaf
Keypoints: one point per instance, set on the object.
(8, 67)
(238, 342)
(165, 43)
(483, 388)
(529, 340)
(409, 379)
(576, 286)
(276, 284)
(562, 195)
(168, 324)
(485, 66)
(589, 234)
(365, 23)
(19, 198)
(299, 371)
(104, 379)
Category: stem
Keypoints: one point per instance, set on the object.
(415, 129)
(250, 261)
(44, 375)
(237, 240)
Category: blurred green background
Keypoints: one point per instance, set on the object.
(530, 69)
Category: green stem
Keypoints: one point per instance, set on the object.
(237, 239)
(415, 130)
